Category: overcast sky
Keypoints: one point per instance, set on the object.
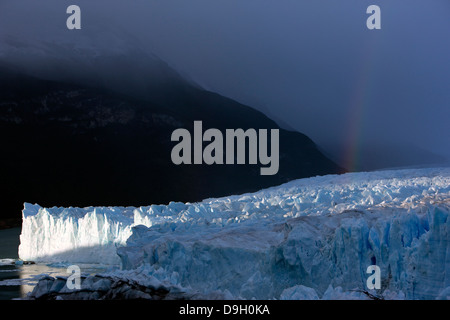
(311, 64)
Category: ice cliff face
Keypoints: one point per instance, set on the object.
(88, 235)
(263, 259)
(310, 238)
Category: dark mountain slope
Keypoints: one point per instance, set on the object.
(71, 145)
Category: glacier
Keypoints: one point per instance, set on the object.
(307, 239)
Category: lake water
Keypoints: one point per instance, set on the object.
(17, 280)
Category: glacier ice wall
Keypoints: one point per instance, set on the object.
(261, 260)
(315, 235)
(84, 235)
(88, 235)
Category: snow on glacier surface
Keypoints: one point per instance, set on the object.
(307, 238)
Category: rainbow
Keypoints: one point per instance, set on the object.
(359, 99)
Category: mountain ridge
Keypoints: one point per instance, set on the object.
(74, 145)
